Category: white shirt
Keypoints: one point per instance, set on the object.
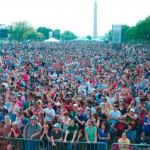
(49, 111)
(65, 126)
(110, 100)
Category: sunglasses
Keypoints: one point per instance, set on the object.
(90, 124)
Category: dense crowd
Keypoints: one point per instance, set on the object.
(76, 91)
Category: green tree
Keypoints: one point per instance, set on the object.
(45, 31)
(142, 29)
(68, 35)
(3, 33)
(18, 29)
(40, 36)
(89, 37)
(57, 34)
(124, 33)
(110, 35)
(33, 35)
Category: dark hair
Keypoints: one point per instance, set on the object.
(73, 120)
(30, 113)
(66, 113)
(25, 114)
(96, 116)
(93, 96)
(83, 133)
(106, 126)
(91, 122)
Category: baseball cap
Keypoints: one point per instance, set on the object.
(34, 118)
(80, 109)
(39, 101)
(132, 110)
(75, 105)
(57, 125)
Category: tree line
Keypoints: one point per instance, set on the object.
(139, 32)
(20, 31)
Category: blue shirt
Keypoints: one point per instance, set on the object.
(81, 118)
(103, 135)
(146, 127)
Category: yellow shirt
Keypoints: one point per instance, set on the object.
(122, 142)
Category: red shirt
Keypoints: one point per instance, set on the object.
(25, 77)
(16, 130)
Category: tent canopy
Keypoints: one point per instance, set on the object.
(51, 40)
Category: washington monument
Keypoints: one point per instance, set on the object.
(95, 21)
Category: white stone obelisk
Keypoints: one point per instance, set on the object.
(95, 21)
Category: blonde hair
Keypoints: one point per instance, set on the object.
(46, 126)
(7, 120)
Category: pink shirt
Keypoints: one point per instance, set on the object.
(19, 103)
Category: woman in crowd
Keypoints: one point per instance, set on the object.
(122, 108)
(81, 140)
(91, 136)
(18, 118)
(3, 130)
(142, 114)
(103, 133)
(24, 121)
(146, 125)
(14, 131)
(12, 110)
(88, 113)
(95, 119)
(65, 121)
(8, 123)
(123, 142)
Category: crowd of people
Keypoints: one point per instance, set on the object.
(75, 91)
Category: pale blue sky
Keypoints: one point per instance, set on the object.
(74, 15)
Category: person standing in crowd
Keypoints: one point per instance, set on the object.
(71, 133)
(103, 133)
(146, 125)
(3, 110)
(57, 136)
(91, 136)
(80, 119)
(142, 140)
(74, 111)
(3, 131)
(32, 131)
(131, 120)
(28, 103)
(49, 113)
(65, 121)
(123, 142)
(147, 105)
(115, 114)
(14, 131)
(24, 121)
(45, 136)
(12, 110)
(119, 128)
